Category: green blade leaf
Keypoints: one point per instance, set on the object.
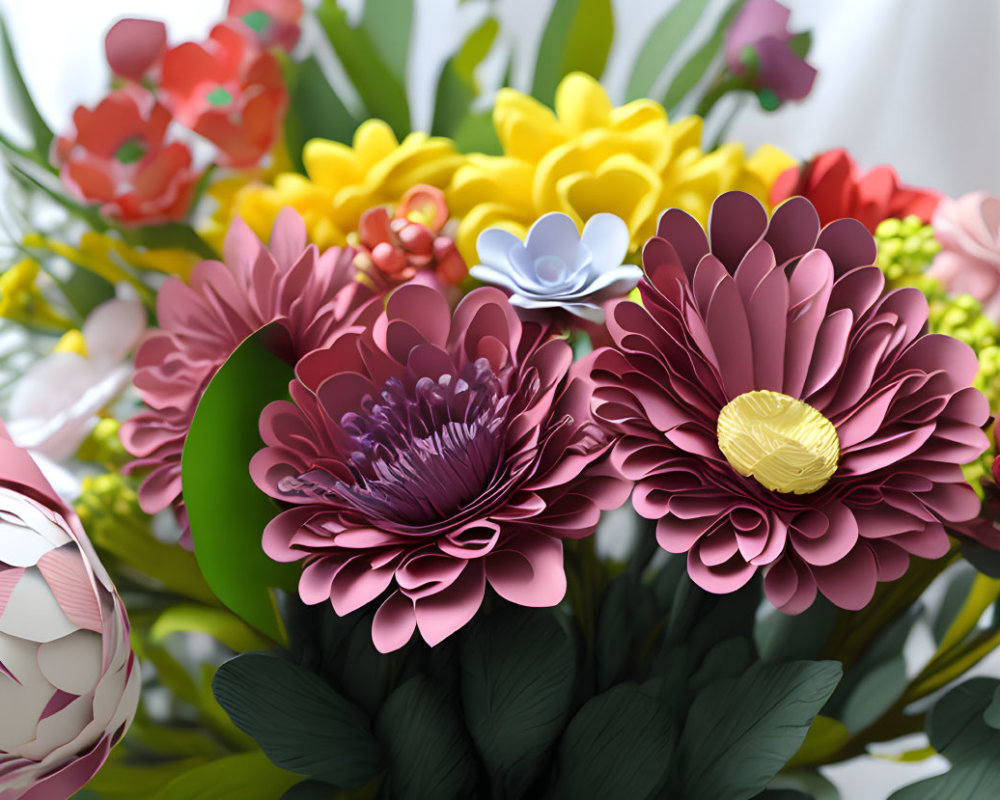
(382, 93)
(618, 745)
(227, 512)
(170, 234)
(388, 24)
(219, 623)
(429, 751)
(661, 44)
(315, 111)
(300, 723)
(457, 86)
(577, 37)
(518, 673)
(696, 66)
(231, 778)
(25, 107)
(741, 731)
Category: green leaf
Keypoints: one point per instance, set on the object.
(302, 724)
(315, 111)
(168, 235)
(476, 134)
(954, 598)
(800, 43)
(991, 716)
(518, 671)
(227, 512)
(875, 694)
(381, 91)
(577, 37)
(312, 790)
(120, 781)
(618, 745)
(696, 66)
(741, 731)
(957, 729)
(230, 630)
(388, 24)
(428, 748)
(457, 86)
(367, 676)
(661, 44)
(231, 778)
(787, 637)
(25, 108)
(825, 737)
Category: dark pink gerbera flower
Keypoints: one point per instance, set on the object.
(431, 455)
(314, 296)
(780, 413)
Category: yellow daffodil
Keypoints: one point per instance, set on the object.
(342, 182)
(22, 301)
(590, 157)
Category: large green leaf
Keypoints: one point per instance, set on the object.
(388, 24)
(957, 729)
(518, 672)
(383, 94)
(620, 744)
(301, 723)
(428, 748)
(661, 44)
(235, 777)
(314, 109)
(219, 623)
(577, 37)
(18, 94)
(788, 637)
(741, 731)
(457, 86)
(227, 512)
(875, 694)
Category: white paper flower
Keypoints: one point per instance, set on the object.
(69, 683)
(55, 403)
(555, 267)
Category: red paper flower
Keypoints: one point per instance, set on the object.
(229, 91)
(275, 22)
(780, 413)
(313, 295)
(395, 249)
(833, 183)
(117, 156)
(134, 48)
(430, 455)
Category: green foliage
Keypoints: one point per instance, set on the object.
(577, 37)
(25, 109)
(227, 513)
(457, 86)
(315, 109)
(234, 777)
(661, 44)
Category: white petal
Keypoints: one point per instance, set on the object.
(22, 705)
(72, 663)
(496, 277)
(113, 329)
(32, 611)
(606, 237)
(554, 234)
(494, 246)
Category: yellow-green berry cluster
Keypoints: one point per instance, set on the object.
(107, 503)
(104, 446)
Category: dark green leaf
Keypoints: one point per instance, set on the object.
(672, 29)
(577, 37)
(315, 111)
(234, 777)
(367, 673)
(428, 748)
(300, 723)
(741, 731)
(727, 659)
(791, 637)
(696, 66)
(957, 729)
(618, 745)
(388, 23)
(984, 559)
(476, 134)
(311, 790)
(227, 512)
(457, 87)
(18, 94)
(381, 91)
(800, 43)
(991, 716)
(171, 234)
(518, 669)
(85, 290)
(875, 694)
(954, 599)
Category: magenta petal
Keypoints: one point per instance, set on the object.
(850, 582)
(529, 571)
(722, 579)
(394, 623)
(317, 579)
(790, 589)
(440, 615)
(356, 584)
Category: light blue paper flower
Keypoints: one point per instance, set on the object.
(557, 268)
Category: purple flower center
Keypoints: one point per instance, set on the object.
(424, 454)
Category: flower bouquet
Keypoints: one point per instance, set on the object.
(552, 453)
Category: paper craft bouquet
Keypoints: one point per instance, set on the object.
(552, 453)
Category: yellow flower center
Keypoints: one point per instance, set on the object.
(785, 444)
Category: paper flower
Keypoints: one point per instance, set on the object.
(968, 230)
(589, 158)
(428, 456)
(343, 182)
(313, 295)
(833, 183)
(135, 47)
(275, 22)
(395, 249)
(118, 157)
(557, 268)
(69, 683)
(55, 403)
(229, 91)
(780, 413)
(762, 26)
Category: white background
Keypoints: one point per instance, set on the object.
(914, 83)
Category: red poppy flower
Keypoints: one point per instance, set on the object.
(275, 22)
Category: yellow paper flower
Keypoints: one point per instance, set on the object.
(590, 157)
(22, 301)
(342, 182)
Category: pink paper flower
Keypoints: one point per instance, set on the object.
(69, 683)
(229, 91)
(313, 295)
(118, 157)
(780, 413)
(968, 230)
(431, 455)
(135, 47)
(275, 22)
